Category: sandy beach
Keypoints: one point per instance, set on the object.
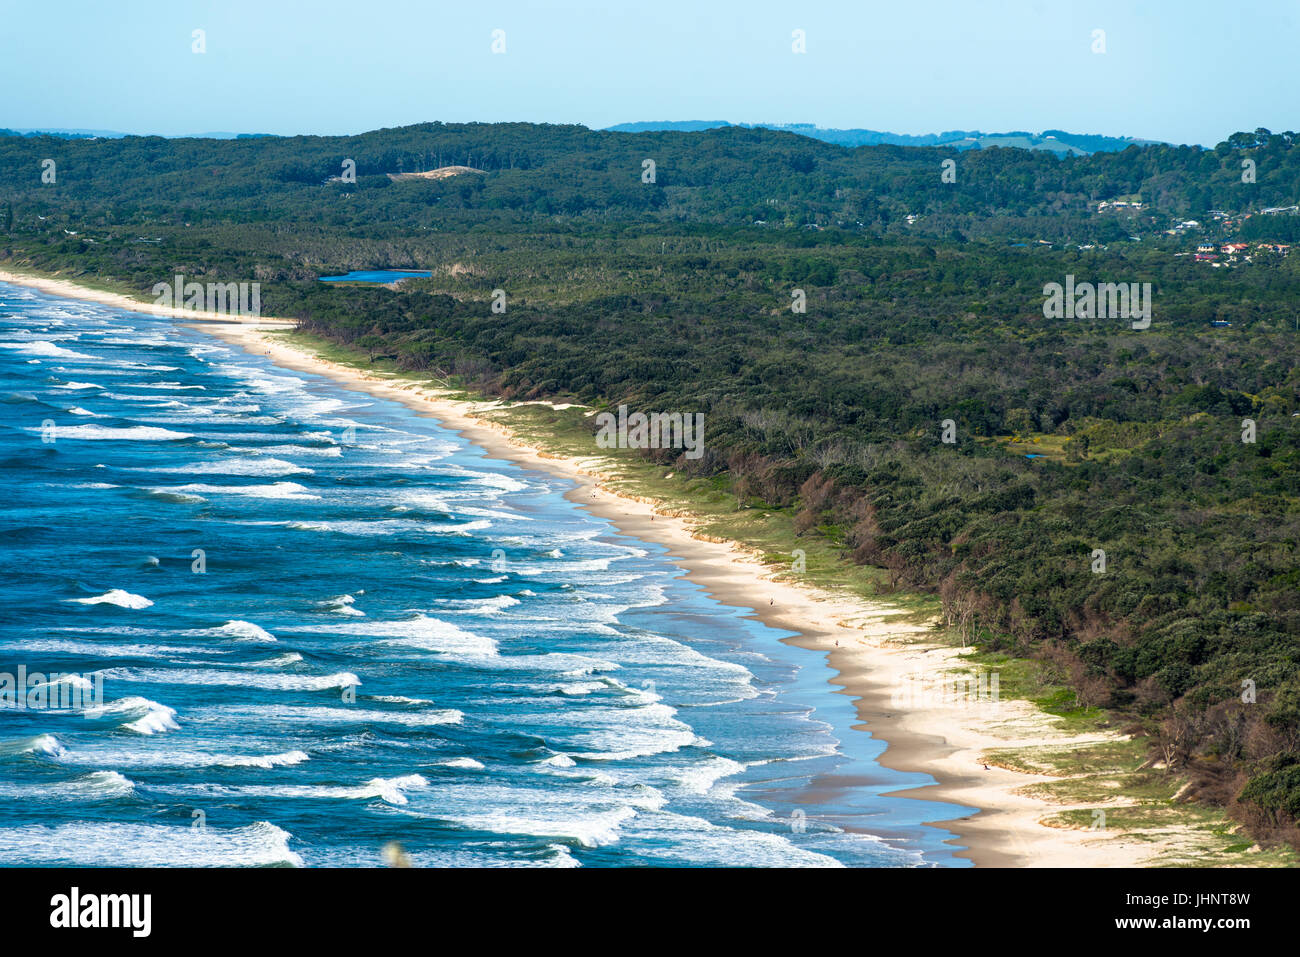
(72, 290)
(877, 656)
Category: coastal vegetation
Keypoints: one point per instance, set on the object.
(923, 306)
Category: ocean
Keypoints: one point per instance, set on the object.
(303, 622)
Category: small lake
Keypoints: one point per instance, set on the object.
(381, 276)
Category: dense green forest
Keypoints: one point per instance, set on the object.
(924, 303)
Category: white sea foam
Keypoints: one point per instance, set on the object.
(116, 596)
(136, 433)
(389, 790)
(110, 844)
(239, 679)
(393, 790)
(278, 490)
(261, 380)
(590, 830)
(179, 498)
(171, 757)
(45, 349)
(98, 370)
(420, 632)
(279, 661)
(151, 717)
(260, 715)
(204, 418)
(164, 386)
(479, 605)
(96, 649)
(442, 502)
(590, 817)
(681, 839)
(577, 689)
(392, 526)
(330, 451)
(700, 778)
(616, 733)
(155, 722)
(79, 682)
(563, 571)
(240, 631)
(284, 759)
(97, 786)
(561, 664)
(468, 764)
(46, 744)
(496, 480)
(342, 605)
(237, 466)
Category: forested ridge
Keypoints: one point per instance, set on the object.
(1072, 435)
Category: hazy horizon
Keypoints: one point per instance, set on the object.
(613, 127)
(342, 71)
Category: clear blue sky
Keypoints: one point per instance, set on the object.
(1186, 71)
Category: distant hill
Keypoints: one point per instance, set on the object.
(1056, 141)
(680, 126)
(65, 134)
(80, 134)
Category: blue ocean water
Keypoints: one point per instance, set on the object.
(381, 276)
(322, 623)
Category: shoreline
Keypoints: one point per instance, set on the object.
(71, 290)
(873, 657)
